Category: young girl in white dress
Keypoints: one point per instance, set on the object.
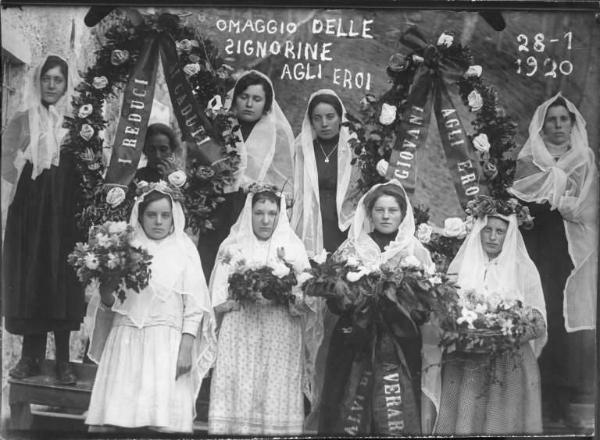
(155, 347)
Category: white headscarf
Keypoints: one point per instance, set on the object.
(267, 155)
(306, 214)
(243, 242)
(571, 186)
(512, 275)
(405, 243)
(176, 269)
(40, 142)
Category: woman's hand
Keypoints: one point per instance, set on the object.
(567, 206)
(228, 306)
(184, 359)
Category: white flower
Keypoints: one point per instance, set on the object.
(435, 280)
(445, 40)
(91, 261)
(481, 143)
(352, 261)
(417, 59)
(191, 69)
(186, 45)
(507, 327)
(112, 261)
(117, 227)
(177, 178)
(115, 196)
(382, 167)
(454, 227)
(475, 70)
(480, 308)
(320, 258)
(410, 261)
(85, 110)
(86, 132)
(142, 184)
(353, 277)
(467, 316)
(475, 100)
(424, 233)
(280, 270)
(100, 82)
(215, 104)
(118, 57)
(303, 277)
(103, 240)
(388, 114)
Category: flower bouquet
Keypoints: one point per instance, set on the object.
(252, 281)
(109, 258)
(487, 324)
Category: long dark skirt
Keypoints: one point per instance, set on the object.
(40, 291)
(371, 386)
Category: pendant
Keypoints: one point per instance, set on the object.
(326, 160)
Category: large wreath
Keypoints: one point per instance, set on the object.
(210, 78)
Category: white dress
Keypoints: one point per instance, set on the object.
(257, 382)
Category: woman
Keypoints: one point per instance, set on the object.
(41, 292)
(161, 149)
(493, 260)
(557, 176)
(382, 233)
(325, 195)
(264, 349)
(160, 341)
(265, 148)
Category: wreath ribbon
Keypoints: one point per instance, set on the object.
(430, 91)
(138, 95)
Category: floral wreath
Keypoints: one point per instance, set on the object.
(378, 126)
(482, 206)
(143, 188)
(210, 79)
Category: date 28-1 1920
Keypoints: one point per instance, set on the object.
(549, 66)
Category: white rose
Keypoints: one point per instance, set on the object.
(91, 261)
(424, 233)
(100, 82)
(473, 71)
(481, 143)
(303, 277)
(454, 227)
(177, 178)
(184, 45)
(112, 261)
(353, 277)
(103, 240)
(191, 69)
(435, 280)
(86, 132)
(445, 40)
(382, 167)
(320, 258)
(117, 227)
(280, 270)
(475, 100)
(410, 261)
(115, 196)
(467, 316)
(352, 262)
(388, 114)
(85, 111)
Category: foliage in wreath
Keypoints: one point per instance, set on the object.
(377, 127)
(210, 78)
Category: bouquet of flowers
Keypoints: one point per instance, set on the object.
(487, 324)
(109, 258)
(251, 280)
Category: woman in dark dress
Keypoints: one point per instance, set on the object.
(40, 291)
(325, 196)
(373, 375)
(556, 174)
(162, 150)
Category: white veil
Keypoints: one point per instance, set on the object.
(267, 155)
(176, 269)
(306, 215)
(571, 186)
(243, 243)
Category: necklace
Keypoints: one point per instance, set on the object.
(327, 156)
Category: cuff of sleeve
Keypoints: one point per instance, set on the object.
(191, 327)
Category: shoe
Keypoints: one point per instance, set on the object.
(26, 367)
(65, 375)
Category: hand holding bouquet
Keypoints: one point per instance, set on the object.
(109, 258)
